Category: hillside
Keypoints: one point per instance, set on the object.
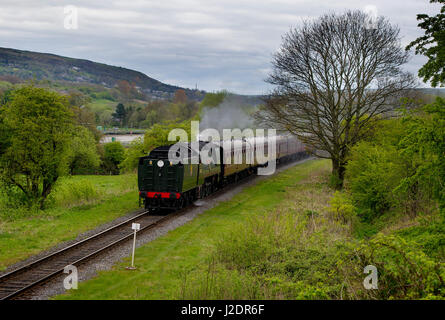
(34, 65)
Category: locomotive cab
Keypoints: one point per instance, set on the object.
(163, 184)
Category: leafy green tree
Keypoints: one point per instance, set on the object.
(188, 110)
(373, 172)
(154, 137)
(213, 99)
(39, 125)
(84, 117)
(158, 134)
(120, 114)
(106, 117)
(403, 166)
(83, 157)
(425, 145)
(114, 154)
(432, 45)
(132, 155)
(136, 117)
(150, 118)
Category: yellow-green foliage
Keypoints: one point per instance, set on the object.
(341, 207)
(35, 129)
(402, 166)
(404, 270)
(132, 155)
(372, 173)
(424, 144)
(74, 192)
(154, 137)
(158, 134)
(213, 99)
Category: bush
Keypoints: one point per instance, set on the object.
(269, 257)
(404, 270)
(72, 193)
(114, 154)
(132, 155)
(372, 173)
(424, 145)
(341, 207)
(83, 157)
(403, 166)
(274, 257)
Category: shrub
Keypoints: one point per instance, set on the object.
(372, 173)
(132, 155)
(295, 252)
(341, 207)
(424, 145)
(402, 166)
(114, 154)
(74, 192)
(404, 270)
(269, 257)
(83, 157)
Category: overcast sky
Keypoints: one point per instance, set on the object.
(223, 44)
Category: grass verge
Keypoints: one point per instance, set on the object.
(79, 204)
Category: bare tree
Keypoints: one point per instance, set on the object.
(333, 77)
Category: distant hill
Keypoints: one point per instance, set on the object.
(34, 65)
(433, 91)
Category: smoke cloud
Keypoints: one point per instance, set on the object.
(232, 113)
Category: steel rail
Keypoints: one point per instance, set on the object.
(60, 253)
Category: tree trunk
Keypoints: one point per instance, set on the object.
(47, 187)
(338, 173)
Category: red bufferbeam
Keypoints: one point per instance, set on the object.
(163, 195)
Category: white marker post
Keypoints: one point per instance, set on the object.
(136, 227)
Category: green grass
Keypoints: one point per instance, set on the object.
(100, 105)
(79, 203)
(164, 263)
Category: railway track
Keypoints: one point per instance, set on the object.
(19, 281)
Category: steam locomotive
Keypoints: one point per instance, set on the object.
(205, 167)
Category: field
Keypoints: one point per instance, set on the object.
(101, 105)
(78, 204)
